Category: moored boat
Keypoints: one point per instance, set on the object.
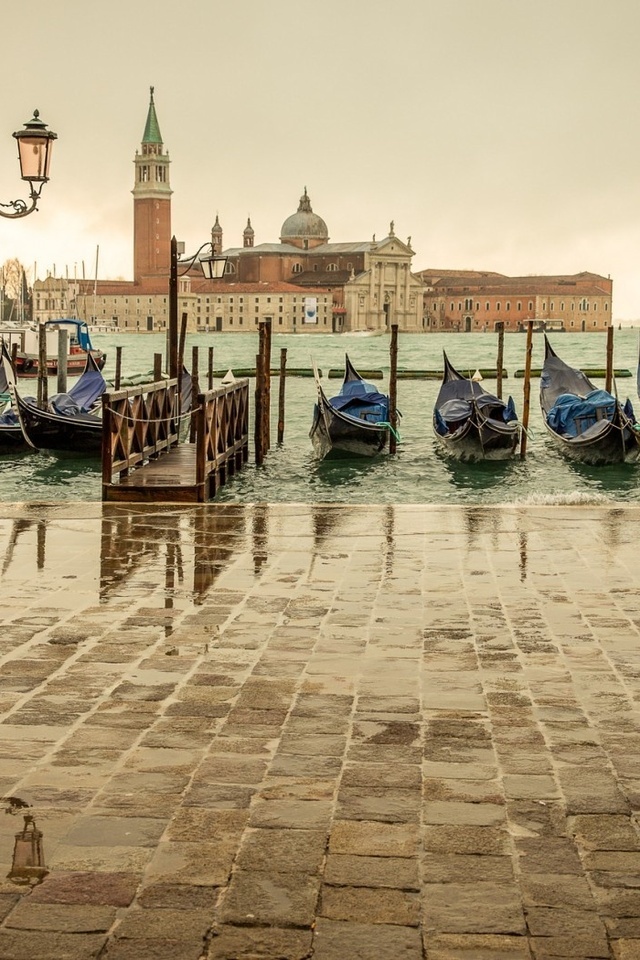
(79, 345)
(69, 422)
(355, 422)
(586, 423)
(469, 423)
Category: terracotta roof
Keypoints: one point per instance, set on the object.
(201, 285)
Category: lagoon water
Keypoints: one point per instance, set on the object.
(417, 474)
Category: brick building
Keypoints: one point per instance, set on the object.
(474, 301)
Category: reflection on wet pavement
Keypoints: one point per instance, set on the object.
(288, 731)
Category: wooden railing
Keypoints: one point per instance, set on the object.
(222, 435)
(138, 423)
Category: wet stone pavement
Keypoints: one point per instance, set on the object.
(287, 732)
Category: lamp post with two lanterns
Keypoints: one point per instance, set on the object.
(35, 144)
(213, 267)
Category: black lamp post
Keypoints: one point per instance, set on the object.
(213, 267)
(35, 143)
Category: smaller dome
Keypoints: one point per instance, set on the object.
(248, 230)
(304, 224)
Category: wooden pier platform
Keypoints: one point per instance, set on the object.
(143, 459)
(169, 479)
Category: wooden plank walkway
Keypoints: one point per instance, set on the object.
(169, 478)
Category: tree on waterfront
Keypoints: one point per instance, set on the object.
(16, 297)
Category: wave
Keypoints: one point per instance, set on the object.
(573, 499)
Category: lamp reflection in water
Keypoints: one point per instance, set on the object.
(28, 854)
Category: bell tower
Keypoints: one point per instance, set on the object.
(151, 204)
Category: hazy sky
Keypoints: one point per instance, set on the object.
(497, 134)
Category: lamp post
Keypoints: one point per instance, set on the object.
(213, 267)
(35, 144)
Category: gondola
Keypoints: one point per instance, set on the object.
(470, 424)
(585, 423)
(68, 423)
(353, 423)
(12, 439)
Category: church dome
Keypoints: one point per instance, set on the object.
(304, 225)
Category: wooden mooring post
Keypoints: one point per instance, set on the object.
(258, 430)
(527, 391)
(43, 384)
(118, 374)
(63, 356)
(500, 358)
(608, 382)
(393, 389)
(267, 385)
(281, 393)
(195, 390)
(210, 370)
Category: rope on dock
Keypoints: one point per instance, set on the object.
(130, 419)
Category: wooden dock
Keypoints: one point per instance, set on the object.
(143, 459)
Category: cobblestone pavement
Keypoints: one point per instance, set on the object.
(280, 732)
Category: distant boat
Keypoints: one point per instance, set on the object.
(355, 422)
(79, 345)
(69, 423)
(471, 424)
(585, 423)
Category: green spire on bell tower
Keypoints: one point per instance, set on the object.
(152, 127)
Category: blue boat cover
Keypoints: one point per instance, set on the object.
(452, 413)
(571, 415)
(82, 395)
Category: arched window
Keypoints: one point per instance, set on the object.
(332, 267)
(297, 268)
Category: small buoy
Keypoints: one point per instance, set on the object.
(477, 376)
(228, 377)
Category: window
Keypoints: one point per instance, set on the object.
(486, 306)
(519, 305)
(297, 268)
(332, 267)
(530, 304)
(508, 305)
(498, 305)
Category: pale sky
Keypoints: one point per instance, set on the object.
(497, 134)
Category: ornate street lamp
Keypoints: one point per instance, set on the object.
(35, 143)
(213, 267)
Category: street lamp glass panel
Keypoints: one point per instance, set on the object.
(35, 157)
(213, 267)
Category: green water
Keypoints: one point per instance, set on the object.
(417, 474)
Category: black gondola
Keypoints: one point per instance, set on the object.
(353, 423)
(12, 439)
(68, 423)
(471, 424)
(585, 423)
